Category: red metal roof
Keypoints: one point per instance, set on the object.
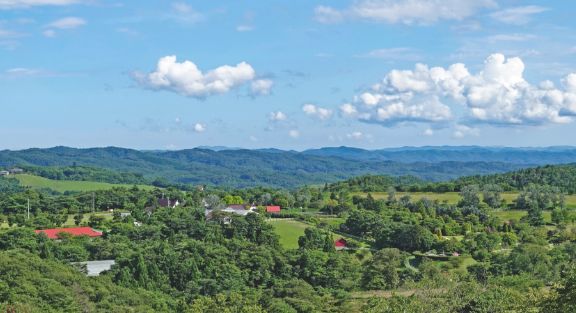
(273, 209)
(74, 231)
(340, 243)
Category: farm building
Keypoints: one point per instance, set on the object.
(167, 203)
(94, 268)
(340, 244)
(16, 170)
(273, 209)
(74, 231)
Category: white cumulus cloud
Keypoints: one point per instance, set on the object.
(277, 116)
(404, 11)
(187, 79)
(497, 94)
(18, 4)
(199, 128)
(317, 112)
(67, 23)
(294, 133)
(517, 15)
(261, 87)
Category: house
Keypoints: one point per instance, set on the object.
(237, 209)
(4, 173)
(73, 231)
(167, 203)
(340, 244)
(16, 171)
(95, 268)
(273, 209)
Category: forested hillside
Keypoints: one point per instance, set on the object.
(562, 177)
(230, 168)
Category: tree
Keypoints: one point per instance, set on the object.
(78, 218)
(491, 195)
(469, 196)
(381, 271)
(563, 296)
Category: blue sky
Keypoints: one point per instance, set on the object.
(287, 74)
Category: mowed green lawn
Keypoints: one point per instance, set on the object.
(454, 197)
(289, 231)
(38, 182)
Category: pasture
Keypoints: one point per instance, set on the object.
(38, 182)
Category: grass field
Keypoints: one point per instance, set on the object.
(38, 182)
(518, 214)
(290, 230)
(453, 197)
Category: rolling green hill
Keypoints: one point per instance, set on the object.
(242, 168)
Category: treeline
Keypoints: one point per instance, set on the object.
(560, 176)
(86, 173)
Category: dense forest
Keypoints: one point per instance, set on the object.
(560, 176)
(237, 168)
(401, 255)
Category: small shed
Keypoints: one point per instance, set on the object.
(273, 209)
(340, 244)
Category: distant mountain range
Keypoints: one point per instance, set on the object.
(277, 168)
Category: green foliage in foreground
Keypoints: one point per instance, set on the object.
(31, 284)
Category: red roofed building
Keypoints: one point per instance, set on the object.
(340, 244)
(74, 231)
(273, 209)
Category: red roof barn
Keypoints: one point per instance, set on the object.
(340, 244)
(74, 231)
(273, 209)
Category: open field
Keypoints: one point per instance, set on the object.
(38, 182)
(453, 197)
(290, 230)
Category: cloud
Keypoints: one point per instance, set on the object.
(294, 133)
(358, 136)
(407, 12)
(498, 95)
(67, 23)
(428, 132)
(461, 131)
(183, 13)
(510, 37)
(317, 112)
(518, 15)
(244, 28)
(199, 128)
(186, 79)
(401, 53)
(277, 116)
(22, 72)
(49, 33)
(20, 4)
(328, 15)
(261, 87)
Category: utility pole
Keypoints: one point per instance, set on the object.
(93, 201)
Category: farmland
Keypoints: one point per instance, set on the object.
(38, 182)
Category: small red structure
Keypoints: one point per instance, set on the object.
(273, 209)
(74, 231)
(340, 244)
